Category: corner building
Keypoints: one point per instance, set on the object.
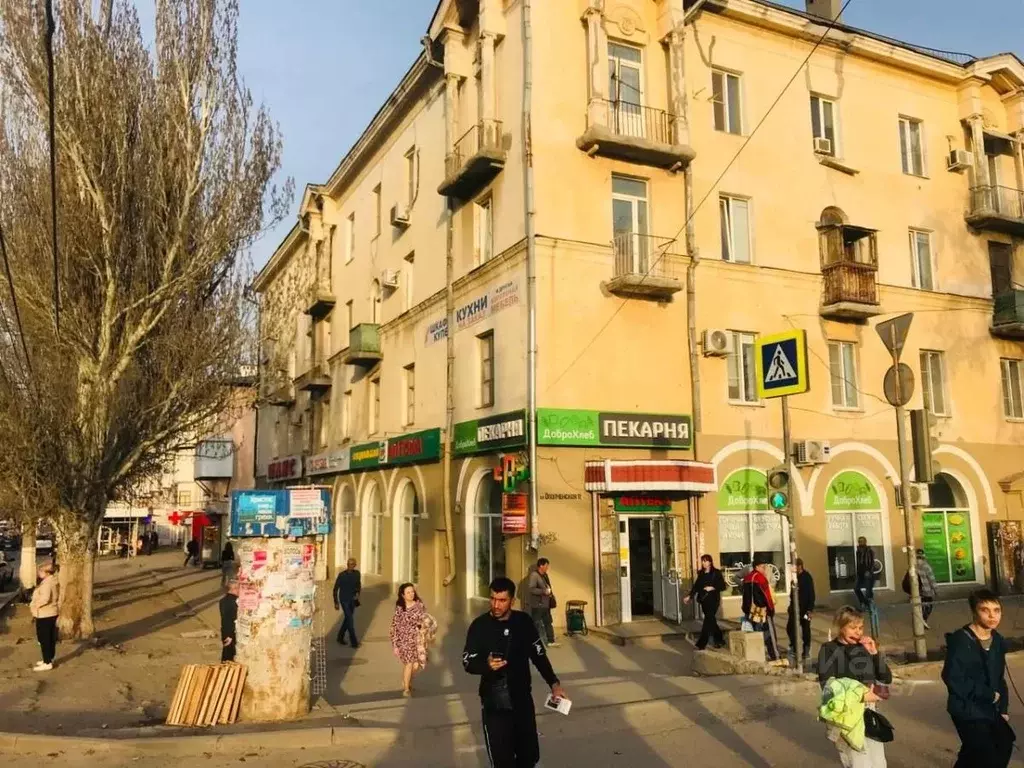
(628, 220)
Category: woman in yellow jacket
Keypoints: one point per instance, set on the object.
(45, 599)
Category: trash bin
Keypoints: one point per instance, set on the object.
(575, 617)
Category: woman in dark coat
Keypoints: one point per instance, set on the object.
(708, 588)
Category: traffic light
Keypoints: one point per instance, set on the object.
(778, 490)
(925, 442)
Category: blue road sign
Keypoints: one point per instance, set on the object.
(781, 364)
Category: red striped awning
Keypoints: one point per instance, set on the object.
(610, 476)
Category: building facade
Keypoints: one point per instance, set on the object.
(538, 277)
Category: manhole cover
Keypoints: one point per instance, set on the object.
(334, 764)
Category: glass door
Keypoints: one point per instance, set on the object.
(630, 224)
(626, 89)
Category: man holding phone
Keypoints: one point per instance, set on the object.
(500, 645)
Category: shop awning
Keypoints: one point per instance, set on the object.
(632, 475)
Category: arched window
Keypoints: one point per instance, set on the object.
(345, 508)
(748, 529)
(853, 509)
(488, 543)
(408, 534)
(373, 530)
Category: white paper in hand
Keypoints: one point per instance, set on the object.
(558, 705)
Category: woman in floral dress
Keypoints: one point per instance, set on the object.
(412, 631)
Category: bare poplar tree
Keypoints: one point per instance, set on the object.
(165, 173)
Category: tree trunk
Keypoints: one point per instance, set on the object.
(76, 558)
(27, 566)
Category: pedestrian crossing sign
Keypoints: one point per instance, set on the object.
(780, 361)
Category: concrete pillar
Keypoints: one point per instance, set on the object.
(1018, 160)
(597, 62)
(677, 86)
(451, 110)
(487, 77)
(978, 150)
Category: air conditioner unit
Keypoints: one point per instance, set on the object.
(822, 145)
(808, 453)
(959, 160)
(919, 495)
(399, 216)
(717, 342)
(389, 278)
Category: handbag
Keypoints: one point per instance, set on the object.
(552, 603)
(877, 727)
(496, 696)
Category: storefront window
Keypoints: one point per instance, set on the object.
(948, 542)
(489, 544)
(409, 535)
(748, 530)
(373, 531)
(853, 509)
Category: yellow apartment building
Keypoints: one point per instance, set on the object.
(520, 315)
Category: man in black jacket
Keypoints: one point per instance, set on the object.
(228, 618)
(805, 585)
(500, 645)
(864, 585)
(347, 587)
(975, 676)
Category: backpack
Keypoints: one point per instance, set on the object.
(906, 583)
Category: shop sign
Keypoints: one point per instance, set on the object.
(851, 491)
(504, 430)
(745, 490)
(556, 426)
(511, 472)
(414, 448)
(475, 310)
(514, 507)
(368, 455)
(642, 504)
(288, 468)
(328, 463)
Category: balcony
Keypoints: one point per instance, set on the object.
(320, 300)
(849, 267)
(475, 159)
(997, 209)
(364, 345)
(634, 133)
(642, 268)
(280, 390)
(1008, 315)
(316, 380)
(214, 459)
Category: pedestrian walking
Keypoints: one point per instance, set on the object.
(347, 587)
(500, 645)
(975, 677)
(864, 584)
(227, 564)
(542, 600)
(855, 661)
(191, 551)
(412, 631)
(805, 591)
(44, 608)
(228, 619)
(929, 586)
(708, 588)
(759, 606)
(154, 541)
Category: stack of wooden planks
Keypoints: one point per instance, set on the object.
(207, 694)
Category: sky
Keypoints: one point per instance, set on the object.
(324, 67)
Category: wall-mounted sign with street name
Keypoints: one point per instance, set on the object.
(493, 433)
(556, 426)
(780, 361)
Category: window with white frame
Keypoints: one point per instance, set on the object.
(409, 535)
(1013, 396)
(912, 146)
(726, 96)
(374, 406)
(922, 260)
(346, 415)
(373, 517)
(350, 237)
(933, 382)
(824, 126)
(483, 230)
(626, 89)
(740, 364)
(488, 541)
(485, 342)
(842, 359)
(735, 215)
(410, 394)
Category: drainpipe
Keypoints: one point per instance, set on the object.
(449, 309)
(531, 271)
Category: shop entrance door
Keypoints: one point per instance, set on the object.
(641, 563)
(666, 568)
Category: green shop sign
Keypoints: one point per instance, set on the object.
(557, 426)
(368, 455)
(851, 491)
(493, 433)
(745, 490)
(414, 448)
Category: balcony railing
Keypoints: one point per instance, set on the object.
(1008, 315)
(634, 133)
(364, 345)
(475, 158)
(316, 379)
(849, 291)
(642, 266)
(996, 208)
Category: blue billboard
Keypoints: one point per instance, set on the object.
(278, 513)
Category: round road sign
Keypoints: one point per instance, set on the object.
(898, 385)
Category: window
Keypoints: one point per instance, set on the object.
(921, 257)
(1013, 397)
(346, 415)
(184, 499)
(412, 175)
(735, 229)
(488, 542)
(486, 347)
(629, 224)
(483, 234)
(373, 530)
(378, 209)
(933, 382)
(322, 423)
(823, 123)
(407, 275)
(725, 93)
(853, 509)
(748, 530)
(374, 406)
(912, 146)
(1000, 258)
(409, 535)
(349, 315)
(740, 363)
(842, 360)
(626, 89)
(350, 238)
(410, 394)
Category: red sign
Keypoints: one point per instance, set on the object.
(514, 507)
(403, 448)
(287, 468)
(177, 518)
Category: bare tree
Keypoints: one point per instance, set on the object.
(165, 171)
